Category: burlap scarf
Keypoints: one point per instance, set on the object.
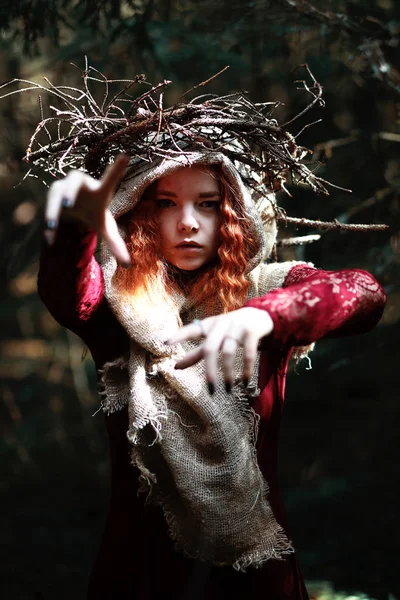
(196, 452)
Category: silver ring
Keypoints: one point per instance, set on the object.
(230, 337)
(199, 324)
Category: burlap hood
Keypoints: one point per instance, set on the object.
(196, 452)
(259, 208)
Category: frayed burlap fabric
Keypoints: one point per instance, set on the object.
(196, 452)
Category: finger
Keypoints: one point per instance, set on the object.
(228, 350)
(113, 175)
(74, 183)
(53, 210)
(54, 200)
(250, 343)
(211, 347)
(192, 331)
(190, 358)
(113, 239)
(63, 194)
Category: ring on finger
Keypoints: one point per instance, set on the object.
(235, 339)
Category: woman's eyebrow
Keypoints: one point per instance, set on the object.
(209, 194)
(201, 195)
(165, 193)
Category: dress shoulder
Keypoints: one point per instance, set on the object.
(271, 276)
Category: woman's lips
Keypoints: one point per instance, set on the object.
(189, 246)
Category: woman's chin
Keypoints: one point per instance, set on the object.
(189, 265)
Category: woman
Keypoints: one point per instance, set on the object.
(191, 334)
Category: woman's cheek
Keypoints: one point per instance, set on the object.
(165, 227)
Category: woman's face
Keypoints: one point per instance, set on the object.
(187, 204)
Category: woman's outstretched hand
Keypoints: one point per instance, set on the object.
(87, 200)
(225, 333)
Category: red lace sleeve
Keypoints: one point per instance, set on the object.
(70, 281)
(313, 304)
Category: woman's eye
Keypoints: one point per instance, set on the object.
(164, 203)
(213, 204)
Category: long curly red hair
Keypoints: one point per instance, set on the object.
(151, 280)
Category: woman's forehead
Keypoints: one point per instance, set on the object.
(196, 176)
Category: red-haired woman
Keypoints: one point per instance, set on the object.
(191, 333)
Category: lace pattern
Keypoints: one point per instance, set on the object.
(314, 303)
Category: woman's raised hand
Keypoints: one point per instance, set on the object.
(225, 334)
(87, 200)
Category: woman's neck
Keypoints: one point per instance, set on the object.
(185, 279)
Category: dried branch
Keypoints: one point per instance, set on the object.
(150, 93)
(264, 152)
(335, 224)
(298, 241)
(98, 131)
(369, 35)
(315, 90)
(203, 83)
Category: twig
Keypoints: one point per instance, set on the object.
(203, 83)
(231, 124)
(154, 89)
(299, 241)
(335, 224)
(160, 117)
(317, 96)
(306, 127)
(137, 79)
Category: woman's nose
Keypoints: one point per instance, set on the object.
(188, 222)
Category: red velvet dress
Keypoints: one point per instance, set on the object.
(137, 559)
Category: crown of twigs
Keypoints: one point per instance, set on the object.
(86, 133)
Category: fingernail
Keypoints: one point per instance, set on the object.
(228, 386)
(245, 381)
(211, 388)
(65, 202)
(126, 265)
(50, 224)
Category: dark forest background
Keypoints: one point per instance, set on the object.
(339, 452)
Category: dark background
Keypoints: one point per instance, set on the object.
(339, 443)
